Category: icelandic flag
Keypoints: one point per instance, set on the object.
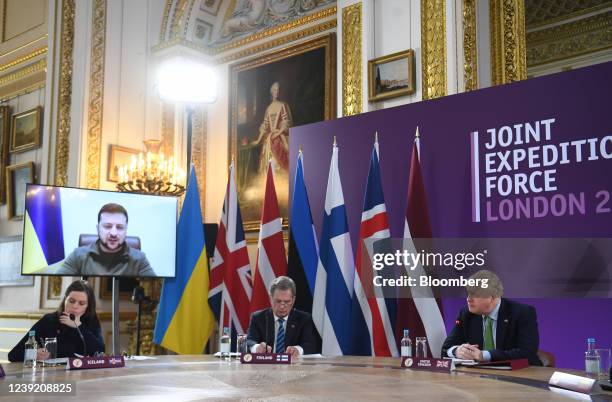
(333, 294)
(271, 259)
(303, 248)
(42, 228)
(184, 319)
(230, 273)
(373, 329)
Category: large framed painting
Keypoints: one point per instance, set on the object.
(4, 149)
(268, 95)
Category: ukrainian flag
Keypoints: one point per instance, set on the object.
(43, 235)
(184, 319)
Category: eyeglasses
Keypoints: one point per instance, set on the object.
(282, 302)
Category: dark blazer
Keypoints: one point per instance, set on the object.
(516, 335)
(68, 340)
(300, 330)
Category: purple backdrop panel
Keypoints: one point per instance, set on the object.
(568, 196)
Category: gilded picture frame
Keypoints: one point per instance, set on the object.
(4, 150)
(17, 176)
(26, 130)
(391, 76)
(268, 94)
(117, 157)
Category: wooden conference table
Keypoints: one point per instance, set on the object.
(188, 378)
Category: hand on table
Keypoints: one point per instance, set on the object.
(263, 348)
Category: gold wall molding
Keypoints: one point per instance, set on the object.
(62, 144)
(180, 9)
(211, 51)
(325, 26)
(165, 18)
(23, 59)
(328, 12)
(508, 50)
(23, 72)
(540, 13)
(570, 40)
(352, 100)
(433, 48)
(198, 149)
(470, 50)
(24, 315)
(167, 128)
(54, 287)
(96, 94)
(23, 46)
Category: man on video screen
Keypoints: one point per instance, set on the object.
(109, 254)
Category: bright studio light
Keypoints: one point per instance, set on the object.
(182, 80)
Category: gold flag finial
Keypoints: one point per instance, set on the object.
(335, 143)
(417, 132)
(300, 150)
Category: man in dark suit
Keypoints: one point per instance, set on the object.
(490, 328)
(282, 329)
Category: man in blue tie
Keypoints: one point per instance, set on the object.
(491, 328)
(282, 329)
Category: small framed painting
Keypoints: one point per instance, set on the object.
(17, 176)
(391, 76)
(26, 130)
(119, 156)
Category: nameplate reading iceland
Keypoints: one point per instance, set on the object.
(85, 363)
(443, 365)
(265, 358)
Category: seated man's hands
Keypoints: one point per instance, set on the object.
(42, 354)
(293, 351)
(467, 351)
(263, 348)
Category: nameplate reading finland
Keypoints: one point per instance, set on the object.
(265, 358)
(85, 363)
(443, 365)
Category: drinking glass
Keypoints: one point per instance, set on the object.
(421, 347)
(604, 363)
(241, 344)
(51, 346)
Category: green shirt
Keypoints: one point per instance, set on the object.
(90, 261)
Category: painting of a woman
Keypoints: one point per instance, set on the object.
(274, 133)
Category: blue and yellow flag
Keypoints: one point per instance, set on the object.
(184, 319)
(43, 234)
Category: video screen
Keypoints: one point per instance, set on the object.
(81, 232)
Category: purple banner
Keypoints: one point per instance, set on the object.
(539, 166)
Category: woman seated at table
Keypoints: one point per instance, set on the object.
(80, 303)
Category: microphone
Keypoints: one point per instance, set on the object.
(266, 338)
(73, 318)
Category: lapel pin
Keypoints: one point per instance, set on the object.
(505, 321)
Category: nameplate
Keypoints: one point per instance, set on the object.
(1, 371)
(572, 382)
(86, 363)
(265, 358)
(442, 365)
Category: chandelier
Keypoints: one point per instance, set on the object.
(152, 173)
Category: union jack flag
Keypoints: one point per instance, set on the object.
(230, 291)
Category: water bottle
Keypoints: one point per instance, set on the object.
(225, 344)
(591, 359)
(406, 345)
(31, 348)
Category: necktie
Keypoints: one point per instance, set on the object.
(489, 344)
(280, 337)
